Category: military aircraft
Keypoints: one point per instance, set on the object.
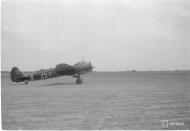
(63, 69)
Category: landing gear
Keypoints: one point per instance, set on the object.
(79, 81)
(26, 82)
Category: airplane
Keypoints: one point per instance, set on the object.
(62, 69)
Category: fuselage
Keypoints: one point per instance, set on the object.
(60, 70)
(44, 74)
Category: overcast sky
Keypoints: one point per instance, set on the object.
(112, 34)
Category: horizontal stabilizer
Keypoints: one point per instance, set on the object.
(22, 78)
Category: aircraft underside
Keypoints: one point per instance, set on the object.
(79, 80)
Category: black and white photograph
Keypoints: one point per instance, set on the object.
(95, 64)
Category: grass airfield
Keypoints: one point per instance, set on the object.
(112, 100)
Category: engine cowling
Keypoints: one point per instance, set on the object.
(64, 69)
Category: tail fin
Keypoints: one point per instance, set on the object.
(17, 75)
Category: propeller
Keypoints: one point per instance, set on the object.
(91, 68)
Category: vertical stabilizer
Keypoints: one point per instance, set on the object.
(17, 75)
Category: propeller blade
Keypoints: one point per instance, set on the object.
(91, 68)
(90, 65)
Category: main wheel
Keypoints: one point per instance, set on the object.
(26, 82)
(79, 81)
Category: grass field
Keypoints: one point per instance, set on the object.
(120, 100)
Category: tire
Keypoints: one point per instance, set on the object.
(79, 81)
(26, 82)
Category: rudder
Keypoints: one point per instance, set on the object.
(15, 74)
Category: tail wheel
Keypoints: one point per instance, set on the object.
(79, 81)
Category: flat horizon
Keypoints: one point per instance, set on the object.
(177, 70)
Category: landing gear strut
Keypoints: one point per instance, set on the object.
(79, 80)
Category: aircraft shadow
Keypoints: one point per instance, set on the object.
(18, 84)
(55, 84)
